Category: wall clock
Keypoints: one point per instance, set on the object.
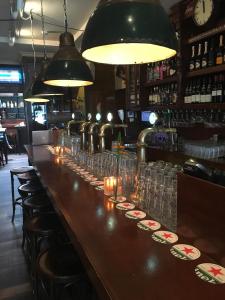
(203, 11)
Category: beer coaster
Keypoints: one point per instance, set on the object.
(211, 273)
(91, 178)
(125, 206)
(135, 214)
(165, 237)
(100, 188)
(185, 252)
(118, 199)
(96, 183)
(149, 225)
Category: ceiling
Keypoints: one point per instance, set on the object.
(78, 14)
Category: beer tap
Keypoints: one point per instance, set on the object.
(83, 141)
(102, 133)
(141, 145)
(91, 146)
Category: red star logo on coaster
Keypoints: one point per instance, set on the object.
(188, 250)
(216, 271)
(167, 235)
(126, 204)
(151, 223)
(136, 213)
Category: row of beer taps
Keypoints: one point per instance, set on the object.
(91, 126)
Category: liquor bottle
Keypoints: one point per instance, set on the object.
(204, 63)
(208, 97)
(214, 90)
(193, 95)
(203, 91)
(186, 94)
(198, 58)
(219, 51)
(211, 61)
(198, 91)
(164, 68)
(220, 90)
(174, 93)
(192, 61)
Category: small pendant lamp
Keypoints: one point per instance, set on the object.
(68, 68)
(124, 32)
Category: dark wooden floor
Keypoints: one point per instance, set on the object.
(14, 279)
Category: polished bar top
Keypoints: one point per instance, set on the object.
(123, 262)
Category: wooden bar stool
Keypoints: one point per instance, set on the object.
(36, 204)
(38, 229)
(30, 188)
(60, 268)
(25, 177)
(17, 171)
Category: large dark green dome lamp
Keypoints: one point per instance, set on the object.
(68, 68)
(129, 32)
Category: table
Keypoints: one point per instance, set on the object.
(123, 262)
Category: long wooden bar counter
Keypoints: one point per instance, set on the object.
(122, 261)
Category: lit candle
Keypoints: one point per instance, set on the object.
(110, 186)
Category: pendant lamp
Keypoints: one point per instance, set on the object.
(39, 88)
(124, 32)
(68, 68)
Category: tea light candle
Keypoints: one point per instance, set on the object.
(110, 186)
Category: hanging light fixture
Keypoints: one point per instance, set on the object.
(68, 68)
(29, 97)
(39, 88)
(129, 32)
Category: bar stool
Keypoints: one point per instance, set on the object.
(17, 171)
(25, 177)
(37, 204)
(61, 268)
(38, 229)
(30, 188)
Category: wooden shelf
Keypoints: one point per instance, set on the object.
(161, 82)
(206, 71)
(161, 106)
(207, 34)
(203, 106)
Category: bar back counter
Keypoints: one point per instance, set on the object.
(122, 261)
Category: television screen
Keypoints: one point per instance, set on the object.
(11, 75)
(145, 116)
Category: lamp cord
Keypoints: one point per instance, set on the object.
(43, 29)
(32, 37)
(65, 15)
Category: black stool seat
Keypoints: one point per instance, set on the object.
(61, 265)
(37, 202)
(21, 170)
(30, 187)
(28, 176)
(43, 225)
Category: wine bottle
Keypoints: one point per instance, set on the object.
(211, 61)
(203, 91)
(214, 90)
(205, 56)
(219, 91)
(219, 52)
(198, 58)
(192, 61)
(208, 98)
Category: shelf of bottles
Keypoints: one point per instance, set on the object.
(188, 117)
(12, 107)
(207, 56)
(161, 81)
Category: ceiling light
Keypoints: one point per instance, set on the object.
(68, 68)
(129, 32)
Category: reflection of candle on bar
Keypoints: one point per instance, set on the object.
(57, 150)
(110, 186)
